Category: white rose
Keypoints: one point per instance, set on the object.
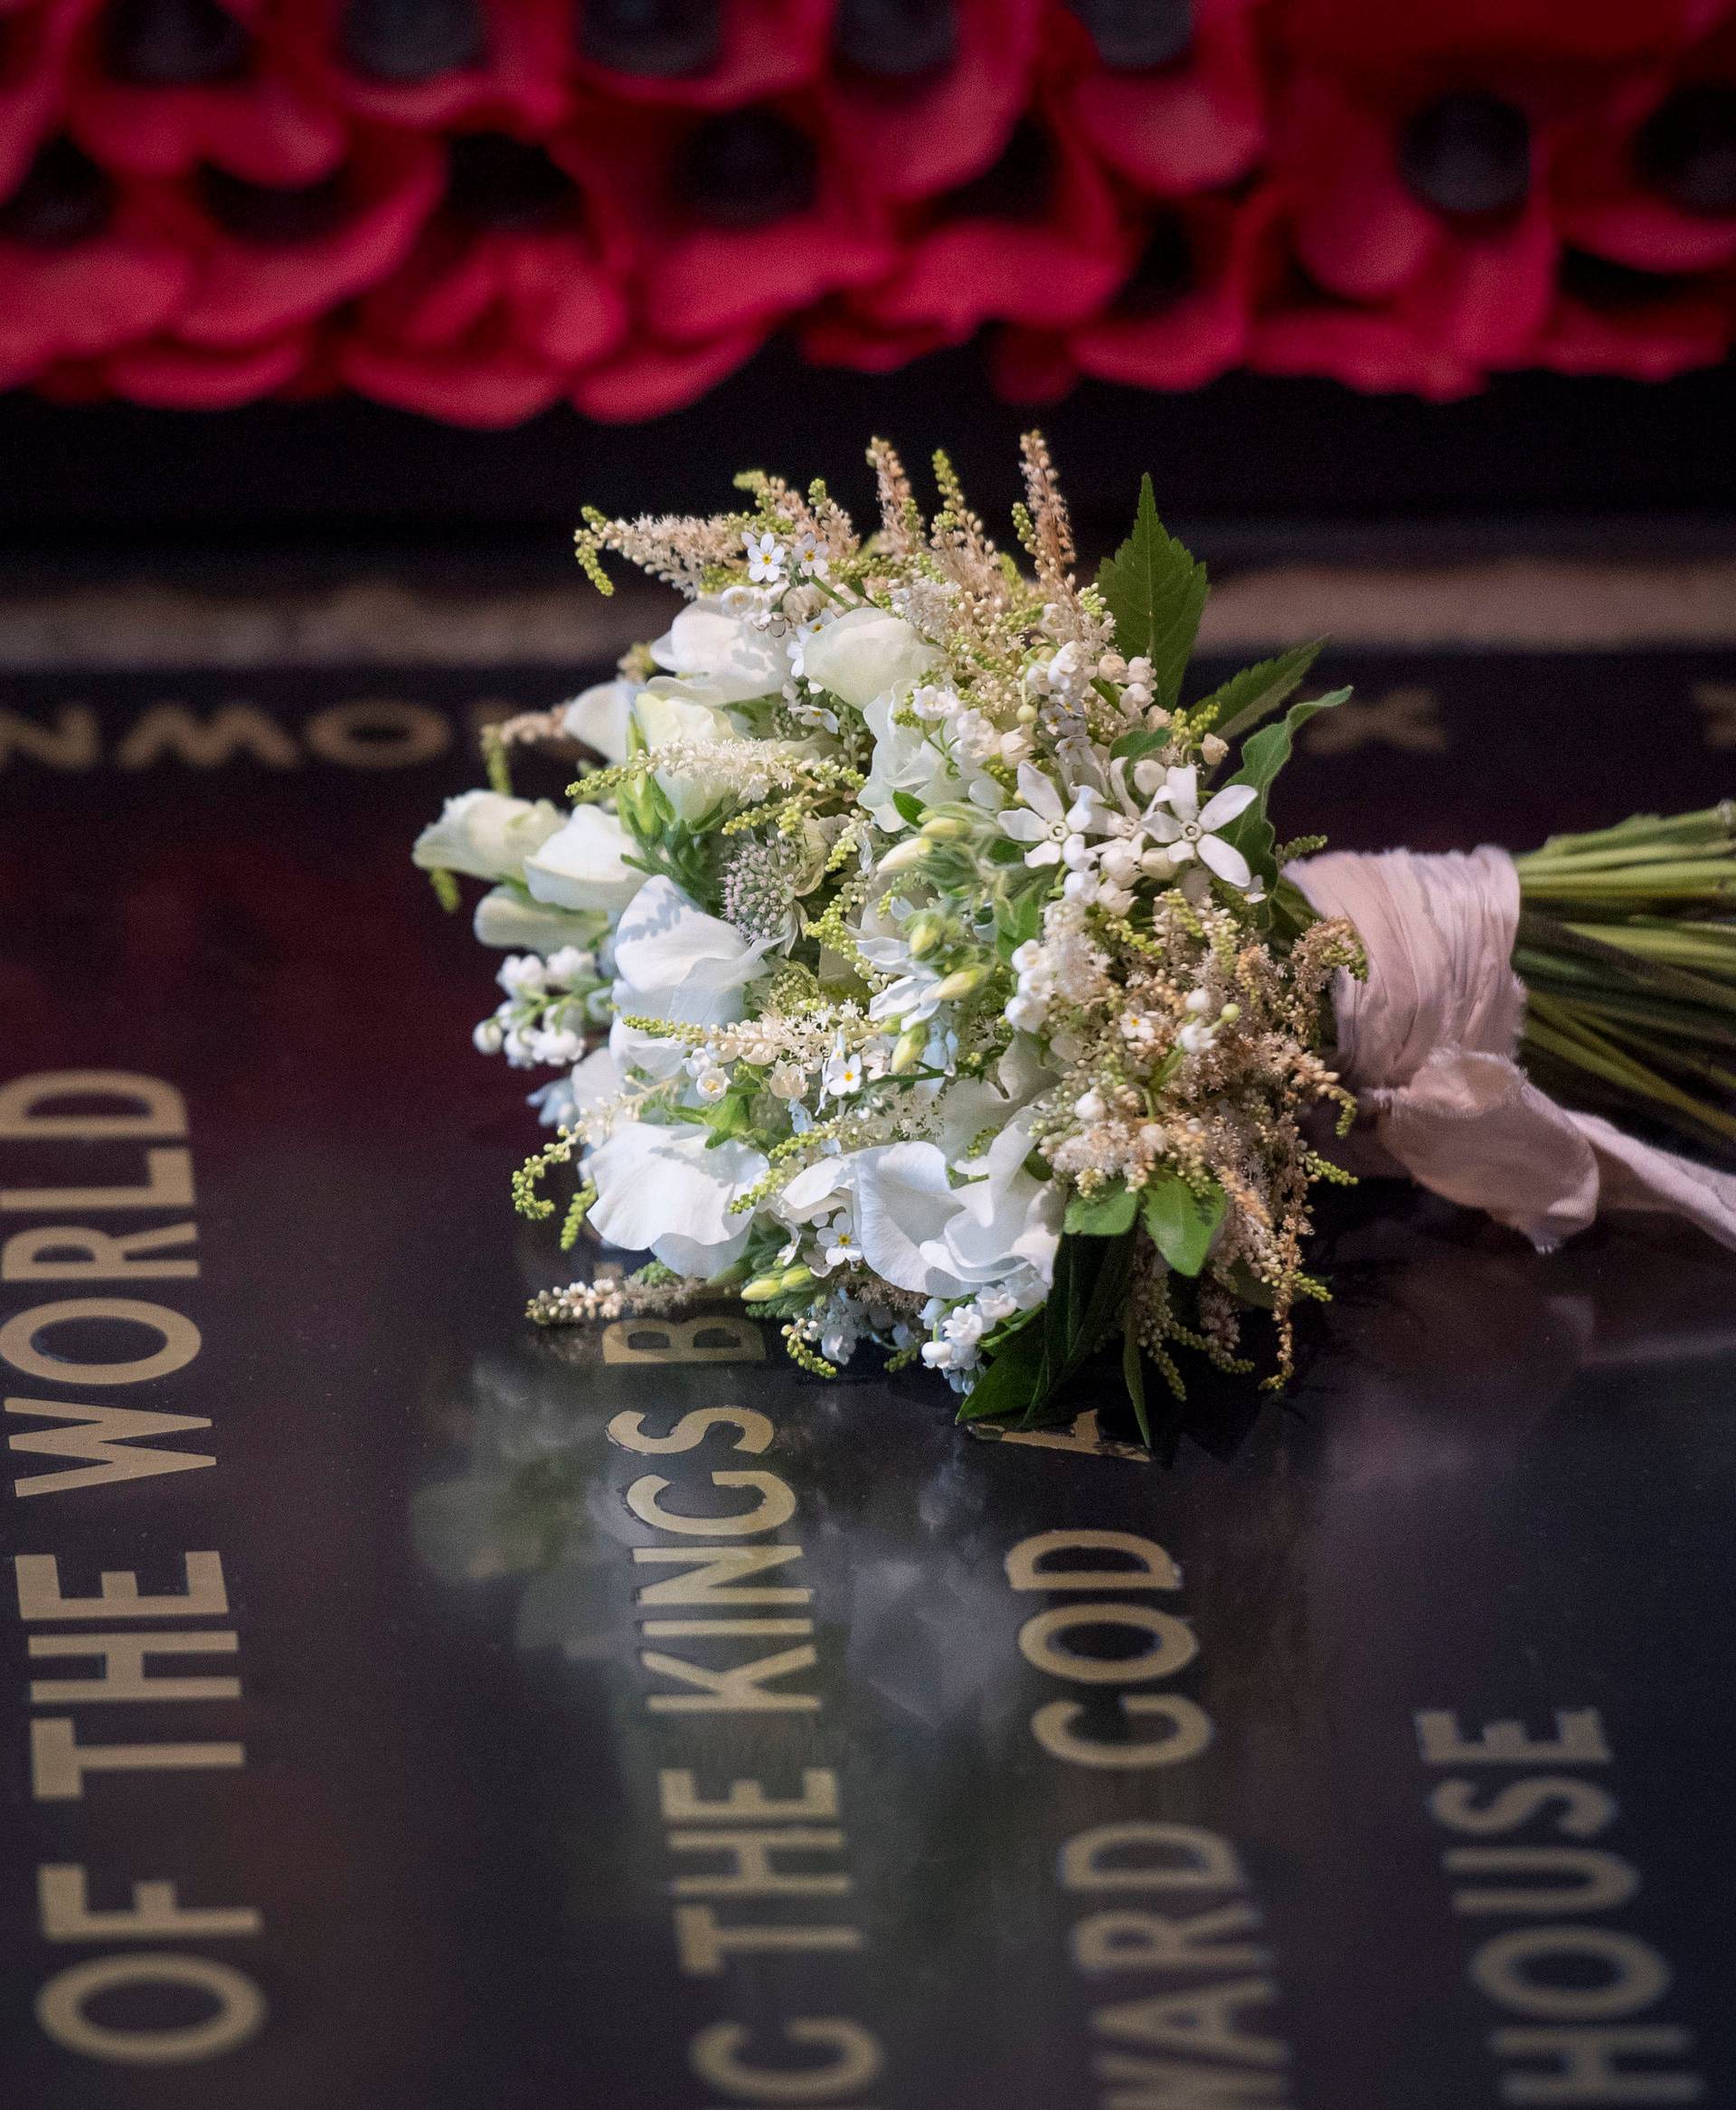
(667, 1190)
(722, 658)
(598, 717)
(485, 835)
(864, 654)
(584, 865)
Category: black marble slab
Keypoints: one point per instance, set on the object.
(1198, 1832)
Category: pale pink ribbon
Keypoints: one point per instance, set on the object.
(1427, 1044)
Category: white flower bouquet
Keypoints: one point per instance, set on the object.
(918, 966)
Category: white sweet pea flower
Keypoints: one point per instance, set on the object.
(485, 835)
(583, 867)
(674, 962)
(668, 1191)
(506, 920)
(597, 717)
(667, 711)
(720, 656)
(1186, 832)
(865, 653)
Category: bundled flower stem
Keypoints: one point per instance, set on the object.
(956, 1000)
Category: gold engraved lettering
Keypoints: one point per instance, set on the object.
(124, 1675)
(59, 1762)
(237, 2008)
(1635, 1973)
(168, 1185)
(1153, 1941)
(852, 2059)
(1172, 1645)
(178, 1335)
(155, 1913)
(754, 1874)
(171, 729)
(1189, 1859)
(1190, 1731)
(377, 732)
(712, 1572)
(739, 1691)
(63, 1253)
(746, 1800)
(1587, 2071)
(1202, 2021)
(754, 1430)
(714, 1340)
(1586, 1809)
(1579, 1740)
(160, 1111)
(39, 1592)
(101, 1433)
(1597, 1881)
(1151, 1567)
(74, 742)
(776, 1507)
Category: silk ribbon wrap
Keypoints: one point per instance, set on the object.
(1427, 1044)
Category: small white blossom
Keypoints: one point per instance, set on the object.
(765, 558)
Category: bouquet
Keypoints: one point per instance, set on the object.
(918, 962)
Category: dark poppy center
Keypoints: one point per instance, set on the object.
(1687, 147)
(1469, 154)
(660, 38)
(1165, 271)
(747, 169)
(64, 198)
(896, 39)
(500, 182)
(173, 43)
(1017, 187)
(412, 40)
(275, 216)
(1132, 35)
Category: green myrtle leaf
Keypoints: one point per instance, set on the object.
(1132, 746)
(1257, 691)
(909, 807)
(1156, 591)
(1182, 1223)
(1262, 758)
(1133, 1374)
(1107, 1213)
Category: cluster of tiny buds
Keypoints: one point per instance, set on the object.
(548, 1006)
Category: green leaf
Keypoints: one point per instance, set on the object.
(1008, 1383)
(1262, 757)
(1182, 1223)
(1133, 1375)
(909, 807)
(1106, 1214)
(1156, 591)
(1257, 691)
(1132, 746)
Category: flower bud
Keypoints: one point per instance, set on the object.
(762, 1288)
(961, 983)
(795, 1278)
(1230, 1014)
(1214, 749)
(922, 934)
(902, 856)
(945, 828)
(908, 1051)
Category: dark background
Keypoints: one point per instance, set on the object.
(1248, 465)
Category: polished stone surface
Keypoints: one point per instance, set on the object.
(1501, 1488)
